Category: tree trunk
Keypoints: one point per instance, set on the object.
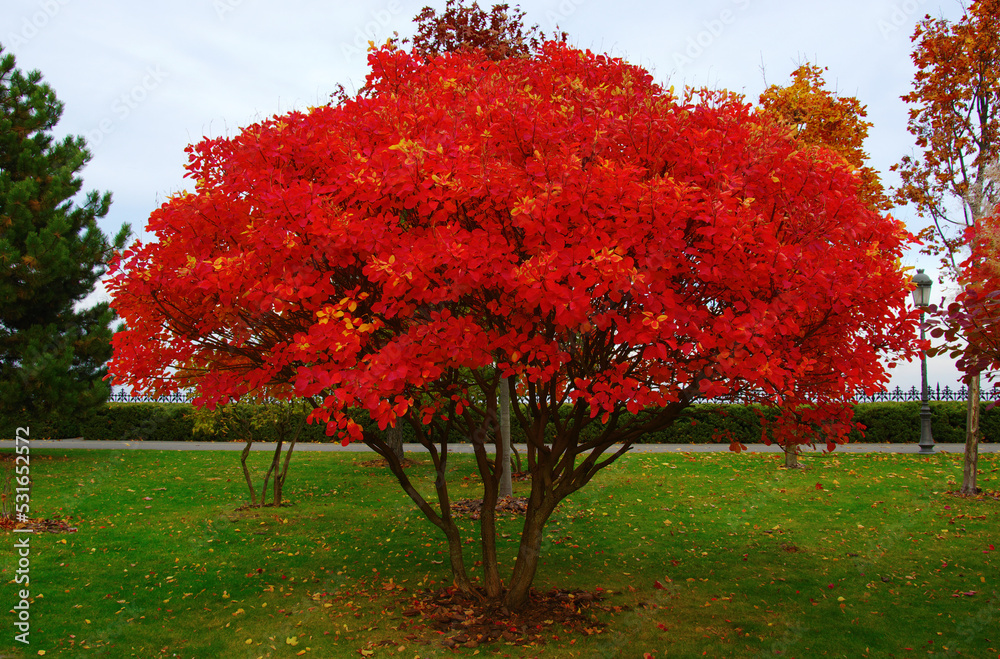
(394, 440)
(791, 458)
(970, 471)
(530, 550)
(444, 521)
(506, 486)
(459, 577)
(279, 479)
(517, 457)
(487, 521)
(275, 461)
(246, 472)
(488, 538)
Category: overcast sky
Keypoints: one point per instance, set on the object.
(142, 80)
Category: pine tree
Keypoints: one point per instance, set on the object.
(52, 253)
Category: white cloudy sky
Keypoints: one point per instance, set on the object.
(141, 80)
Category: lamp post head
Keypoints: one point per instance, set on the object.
(922, 292)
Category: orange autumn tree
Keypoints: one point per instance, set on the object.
(817, 117)
(559, 218)
(955, 118)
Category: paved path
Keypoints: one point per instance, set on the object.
(464, 448)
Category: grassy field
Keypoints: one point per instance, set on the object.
(713, 555)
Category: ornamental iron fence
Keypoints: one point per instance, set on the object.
(937, 393)
(122, 396)
(897, 395)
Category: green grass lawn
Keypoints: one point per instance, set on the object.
(715, 555)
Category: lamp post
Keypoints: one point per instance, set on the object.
(922, 298)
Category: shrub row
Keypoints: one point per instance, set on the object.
(132, 421)
(885, 422)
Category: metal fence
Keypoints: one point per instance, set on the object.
(122, 396)
(897, 395)
(933, 393)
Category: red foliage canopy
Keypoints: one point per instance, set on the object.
(561, 215)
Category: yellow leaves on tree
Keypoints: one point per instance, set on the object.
(819, 117)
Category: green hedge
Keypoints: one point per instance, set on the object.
(699, 424)
(123, 421)
(900, 422)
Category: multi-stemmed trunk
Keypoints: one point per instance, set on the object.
(443, 519)
(559, 466)
(277, 469)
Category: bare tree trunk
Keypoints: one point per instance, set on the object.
(275, 461)
(246, 471)
(279, 479)
(971, 468)
(444, 521)
(506, 486)
(394, 440)
(517, 457)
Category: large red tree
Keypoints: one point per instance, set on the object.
(820, 118)
(613, 246)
